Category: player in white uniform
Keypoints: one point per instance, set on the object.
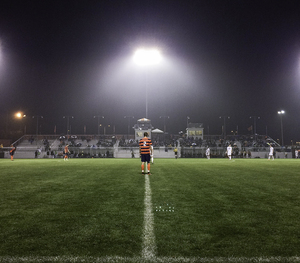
(271, 153)
(207, 153)
(296, 153)
(229, 151)
(152, 161)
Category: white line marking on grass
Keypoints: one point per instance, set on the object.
(149, 246)
(116, 259)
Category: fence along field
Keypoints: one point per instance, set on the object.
(104, 210)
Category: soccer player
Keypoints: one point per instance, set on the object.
(271, 153)
(12, 152)
(66, 153)
(145, 152)
(229, 151)
(207, 152)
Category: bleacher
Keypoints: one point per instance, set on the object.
(83, 146)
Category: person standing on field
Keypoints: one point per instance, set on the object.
(207, 153)
(66, 153)
(271, 153)
(229, 151)
(145, 152)
(176, 152)
(12, 152)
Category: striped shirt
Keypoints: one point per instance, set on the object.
(145, 145)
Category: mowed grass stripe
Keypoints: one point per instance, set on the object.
(80, 207)
(230, 211)
(246, 208)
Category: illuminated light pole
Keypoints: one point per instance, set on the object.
(128, 131)
(147, 57)
(98, 117)
(164, 124)
(224, 127)
(104, 128)
(68, 123)
(37, 125)
(187, 125)
(254, 118)
(20, 115)
(281, 112)
(165, 121)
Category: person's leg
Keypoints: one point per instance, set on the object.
(143, 167)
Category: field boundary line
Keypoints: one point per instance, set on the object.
(149, 245)
(117, 259)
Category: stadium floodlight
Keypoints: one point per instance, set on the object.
(98, 117)
(20, 115)
(147, 57)
(144, 57)
(128, 130)
(254, 119)
(68, 123)
(164, 117)
(224, 127)
(281, 112)
(37, 125)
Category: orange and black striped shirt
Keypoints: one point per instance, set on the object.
(145, 145)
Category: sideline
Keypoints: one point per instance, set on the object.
(116, 259)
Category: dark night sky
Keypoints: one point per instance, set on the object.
(236, 58)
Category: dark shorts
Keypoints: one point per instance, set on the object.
(145, 158)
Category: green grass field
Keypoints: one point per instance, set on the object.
(203, 209)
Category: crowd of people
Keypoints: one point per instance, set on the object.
(219, 141)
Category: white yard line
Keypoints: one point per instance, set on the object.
(149, 245)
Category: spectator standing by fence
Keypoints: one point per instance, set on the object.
(12, 152)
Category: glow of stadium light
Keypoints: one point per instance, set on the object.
(20, 115)
(147, 57)
(144, 57)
